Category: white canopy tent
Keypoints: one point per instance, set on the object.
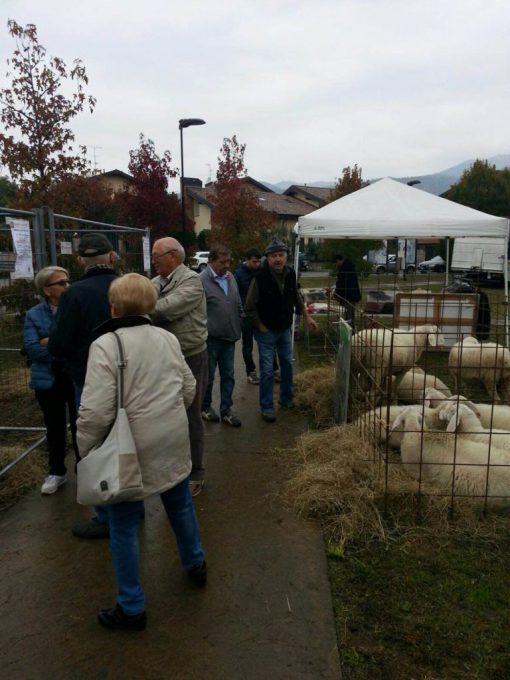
(391, 210)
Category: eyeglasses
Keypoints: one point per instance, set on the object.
(156, 257)
(62, 282)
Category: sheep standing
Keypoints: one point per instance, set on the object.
(454, 464)
(488, 362)
(380, 352)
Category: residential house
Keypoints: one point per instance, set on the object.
(115, 180)
(286, 208)
(316, 196)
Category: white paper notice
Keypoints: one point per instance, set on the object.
(66, 248)
(146, 254)
(20, 230)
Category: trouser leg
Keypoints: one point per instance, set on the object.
(123, 520)
(200, 368)
(247, 340)
(212, 354)
(53, 406)
(266, 344)
(179, 508)
(227, 380)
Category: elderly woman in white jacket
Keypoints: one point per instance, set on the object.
(158, 387)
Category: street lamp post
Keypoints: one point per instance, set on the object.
(184, 123)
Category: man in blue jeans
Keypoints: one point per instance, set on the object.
(224, 314)
(272, 298)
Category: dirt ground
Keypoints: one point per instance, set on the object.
(266, 612)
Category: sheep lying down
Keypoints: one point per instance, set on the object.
(490, 415)
(415, 382)
(456, 464)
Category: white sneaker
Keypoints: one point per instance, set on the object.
(52, 482)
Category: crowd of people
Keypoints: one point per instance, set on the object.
(176, 329)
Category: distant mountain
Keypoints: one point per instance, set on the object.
(436, 183)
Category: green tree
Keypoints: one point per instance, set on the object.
(8, 191)
(37, 106)
(484, 188)
(350, 181)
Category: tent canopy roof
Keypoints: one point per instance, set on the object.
(390, 209)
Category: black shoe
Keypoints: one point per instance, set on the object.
(91, 529)
(117, 618)
(198, 574)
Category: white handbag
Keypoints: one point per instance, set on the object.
(111, 473)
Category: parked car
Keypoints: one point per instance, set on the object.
(435, 264)
(316, 300)
(391, 266)
(199, 260)
(303, 263)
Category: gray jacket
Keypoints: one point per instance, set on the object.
(224, 312)
(181, 309)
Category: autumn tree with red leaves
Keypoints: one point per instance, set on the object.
(237, 218)
(147, 203)
(36, 108)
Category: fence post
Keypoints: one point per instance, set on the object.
(40, 251)
(53, 240)
(343, 371)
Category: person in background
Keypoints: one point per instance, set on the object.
(181, 309)
(83, 307)
(272, 298)
(347, 288)
(224, 314)
(53, 387)
(243, 276)
(158, 387)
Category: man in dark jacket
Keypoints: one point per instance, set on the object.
(272, 298)
(243, 276)
(83, 307)
(347, 287)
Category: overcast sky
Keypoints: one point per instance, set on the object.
(401, 87)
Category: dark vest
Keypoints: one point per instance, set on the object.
(274, 309)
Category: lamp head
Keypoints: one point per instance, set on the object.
(186, 122)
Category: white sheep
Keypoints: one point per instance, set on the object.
(414, 384)
(488, 362)
(461, 418)
(490, 415)
(380, 352)
(456, 465)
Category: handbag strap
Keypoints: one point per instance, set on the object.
(121, 365)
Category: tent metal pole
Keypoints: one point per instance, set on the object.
(505, 278)
(296, 269)
(447, 272)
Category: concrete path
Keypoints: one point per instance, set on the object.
(266, 613)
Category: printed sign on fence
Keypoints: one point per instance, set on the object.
(146, 254)
(20, 230)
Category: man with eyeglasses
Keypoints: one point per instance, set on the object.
(181, 309)
(83, 307)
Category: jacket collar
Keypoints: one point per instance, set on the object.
(98, 270)
(120, 322)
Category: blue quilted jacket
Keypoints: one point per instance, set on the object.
(38, 322)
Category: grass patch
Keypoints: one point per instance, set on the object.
(435, 608)
(25, 475)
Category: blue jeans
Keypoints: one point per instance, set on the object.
(124, 518)
(221, 354)
(269, 342)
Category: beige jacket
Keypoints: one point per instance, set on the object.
(158, 387)
(181, 309)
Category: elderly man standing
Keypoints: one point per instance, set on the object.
(83, 307)
(224, 314)
(272, 298)
(181, 309)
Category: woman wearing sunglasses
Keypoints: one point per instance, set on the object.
(53, 387)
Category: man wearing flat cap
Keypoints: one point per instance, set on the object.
(272, 298)
(83, 307)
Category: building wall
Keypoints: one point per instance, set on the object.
(202, 216)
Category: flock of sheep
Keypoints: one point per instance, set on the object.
(461, 446)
